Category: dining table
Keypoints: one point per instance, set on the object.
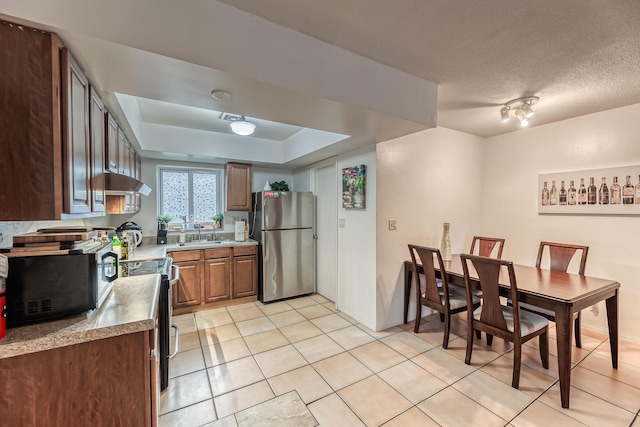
(563, 293)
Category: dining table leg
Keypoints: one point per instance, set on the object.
(612, 320)
(564, 326)
(407, 288)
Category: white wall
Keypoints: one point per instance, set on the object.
(423, 180)
(512, 164)
(357, 245)
(261, 175)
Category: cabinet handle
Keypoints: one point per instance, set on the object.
(175, 350)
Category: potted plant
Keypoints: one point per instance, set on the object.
(279, 186)
(163, 222)
(217, 220)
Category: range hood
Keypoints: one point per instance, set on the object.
(117, 184)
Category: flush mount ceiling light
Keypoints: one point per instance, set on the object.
(522, 108)
(242, 126)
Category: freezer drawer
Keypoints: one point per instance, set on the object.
(287, 263)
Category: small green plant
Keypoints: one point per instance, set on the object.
(183, 218)
(279, 186)
(217, 217)
(164, 218)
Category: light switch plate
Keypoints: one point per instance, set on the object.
(393, 224)
(341, 222)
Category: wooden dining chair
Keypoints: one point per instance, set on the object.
(433, 293)
(496, 319)
(486, 246)
(560, 256)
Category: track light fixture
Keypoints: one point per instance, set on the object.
(522, 108)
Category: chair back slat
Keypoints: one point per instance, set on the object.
(489, 279)
(427, 257)
(561, 254)
(486, 246)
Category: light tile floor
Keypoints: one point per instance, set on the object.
(301, 362)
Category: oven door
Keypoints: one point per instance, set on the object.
(166, 312)
(175, 276)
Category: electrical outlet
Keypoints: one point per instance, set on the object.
(393, 224)
(341, 222)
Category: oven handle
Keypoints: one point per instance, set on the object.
(176, 276)
(174, 326)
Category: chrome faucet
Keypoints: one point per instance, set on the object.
(197, 224)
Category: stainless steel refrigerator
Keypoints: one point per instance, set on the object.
(283, 224)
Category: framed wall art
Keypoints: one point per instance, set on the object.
(610, 191)
(354, 187)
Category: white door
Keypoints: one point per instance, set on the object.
(325, 183)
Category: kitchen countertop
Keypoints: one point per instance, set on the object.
(150, 252)
(130, 307)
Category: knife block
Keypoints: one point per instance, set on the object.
(161, 238)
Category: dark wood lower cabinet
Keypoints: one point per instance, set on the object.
(217, 279)
(215, 275)
(108, 382)
(188, 290)
(245, 276)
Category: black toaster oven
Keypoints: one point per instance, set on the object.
(46, 287)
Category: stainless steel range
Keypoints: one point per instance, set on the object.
(170, 274)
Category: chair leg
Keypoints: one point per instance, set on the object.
(576, 329)
(447, 325)
(543, 344)
(467, 356)
(517, 360)
(478, 334)
(418, 316)
(489, 340)
(441, 317)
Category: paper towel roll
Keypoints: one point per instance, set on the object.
(239, 231)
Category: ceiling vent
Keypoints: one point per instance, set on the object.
(230, 117)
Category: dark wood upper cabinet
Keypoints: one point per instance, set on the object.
(111, 139)
(123, 152)
(76, 145)
(56, 139)
(238, 186)
(30, 137)
(98, 144)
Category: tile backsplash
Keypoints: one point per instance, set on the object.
(10, 229)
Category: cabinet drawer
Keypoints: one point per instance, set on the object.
(217, 253)
(245, 250)
(179, 256)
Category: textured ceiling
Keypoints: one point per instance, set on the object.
(578, 56)
(361, 68)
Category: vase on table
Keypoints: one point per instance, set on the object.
(445, 246)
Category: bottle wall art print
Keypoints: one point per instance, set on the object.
(610, 191)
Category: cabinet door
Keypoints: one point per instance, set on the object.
(188, 290)
(123, 152)
(30, 137)
(96, 124)
(132, 161)
(238, 186)
(217, 285)
(245, 276)
(138, 161)
(111, 137)
(75, 137)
